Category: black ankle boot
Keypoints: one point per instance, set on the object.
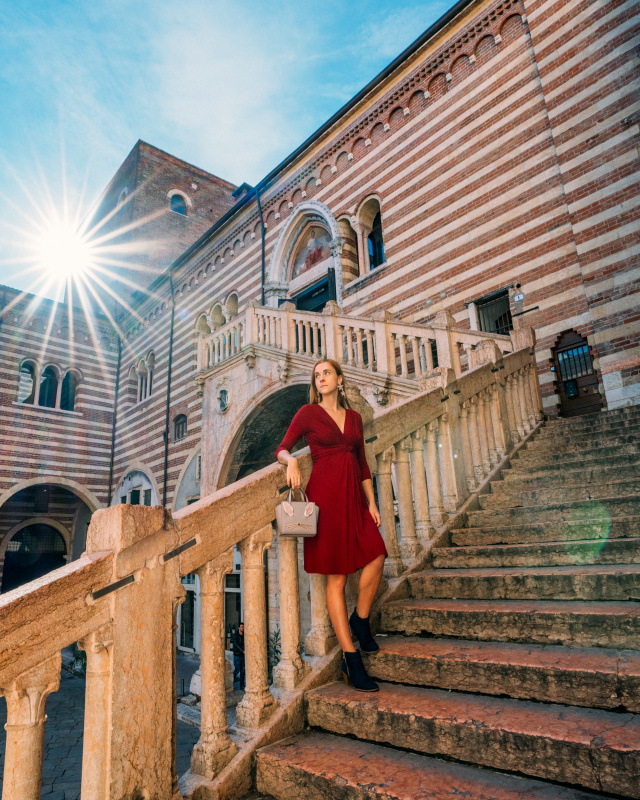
(361, 629)
(355, 674)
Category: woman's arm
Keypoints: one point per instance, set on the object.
(296, 431)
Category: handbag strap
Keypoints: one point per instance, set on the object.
(302, 492)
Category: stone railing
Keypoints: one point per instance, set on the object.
(377, 344)
(119, 600)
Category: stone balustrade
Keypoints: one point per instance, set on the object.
(377, 344)
(119, 600)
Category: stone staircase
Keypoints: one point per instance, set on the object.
(513, 668)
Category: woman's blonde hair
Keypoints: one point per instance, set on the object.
(314, 394)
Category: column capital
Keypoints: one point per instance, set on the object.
(418, 437)
(27, 694)
(253, 546)
(212, 573)
(385, 459)
(97, 641)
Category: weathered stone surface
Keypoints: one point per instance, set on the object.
(575, 444)
(584, 624)
(561, 494)
(514, 481)
(593, 677)
(592, 460)
(539, 554)
(556, 512)
(316, 766)
(533, 458)
(584, 747)
(599, 527)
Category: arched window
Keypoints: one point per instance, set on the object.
(27, 385)
(179, 428)
(178, 204)
(131, 391)
(150, 362)
(48, 388)
(376, 245)
(143, 381)
(68, 391)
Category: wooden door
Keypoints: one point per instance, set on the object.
(576, 380)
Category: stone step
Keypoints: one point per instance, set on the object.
(614, 625)
(594, 421)
(589, 748)
(561, 494)
(579, 444)
(317, 766)
(539, 467)
(584, 582)
(603, 508)
(599, 527)
(586, 454)
(577, 476)
(538, 554)
(614, 428)
(591, 677)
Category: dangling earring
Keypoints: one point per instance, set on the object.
(341, 389)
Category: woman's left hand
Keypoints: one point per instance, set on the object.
(373, 510)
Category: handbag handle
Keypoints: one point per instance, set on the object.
(302, 492)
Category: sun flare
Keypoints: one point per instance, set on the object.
(63, 252)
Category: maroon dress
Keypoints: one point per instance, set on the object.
(347, 538)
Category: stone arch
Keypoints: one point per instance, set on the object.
(437, 87)
(359, 148)
(395, 118)
(217, 316)
(86, 495)
(511, 28)
(416, 102)
(250, 444)
(202, 325)
(309, 210)
(231, 304)
(342, 162)
(181, 194)
(189, 456)
(377, 134)
(325, 174)
(136, 466)
(23, 566)
(461, 68)
(53, 523)
(485, 49)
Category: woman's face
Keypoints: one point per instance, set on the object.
(326, 379)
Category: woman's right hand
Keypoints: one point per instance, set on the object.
(294, 478)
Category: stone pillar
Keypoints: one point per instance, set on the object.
(291, 668)
(95, 746)
(410, 547)
(498, 428)
(519, 403)
(424, 528)
(321, 638)
(258, 703)
(466, 447)
(214, 749)
(26, 698)
(482, 434)
(445, 451)
(436, 507)
(491, 438)
(513, 423)
(393, 565)
(531, 406)
(474, 438)
(535, 391)
(178, 599)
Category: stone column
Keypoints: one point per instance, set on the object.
(531, 406)
(535, 391)
(393, 565)
(410, 547)
(513, 423)
(436, 507)
(214, 749)
(491, 438)
(498, 428)
(474, 438)
(26, 698)
(445, 451)
(482, 435)
(321, 639)
(424, 528)
(522, 401)
(95, 746)
(466, 447)
(177, 601)
(258, 703)
(291, 668)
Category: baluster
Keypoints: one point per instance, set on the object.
(524, 411)
(449, 489)
(466, 447)
(359, 348)
(341, 340)
(513, 426)
(474, 439)
(404, 369)
(26, 698)
(535, 392)
(321, 638)
(424, 529)
(308, 346)
(436, 507)
(299, 337)
(428, 354)
(272, 331)
(517, 409)
(498, 428)
(529, 397)
(482, 434)
(215, 748)
(370, 353)
(258, 703)
(291, 668)
(491, 439)
(393, 565)
(417, 366)
(95, 744)
(410, 547)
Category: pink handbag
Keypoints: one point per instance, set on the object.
(297, 518)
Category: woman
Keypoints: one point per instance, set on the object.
(348, 538)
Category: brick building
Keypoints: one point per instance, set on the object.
(490, 171)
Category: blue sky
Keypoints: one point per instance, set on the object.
(230, 87)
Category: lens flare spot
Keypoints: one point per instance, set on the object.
(590, 523)
(63, 253)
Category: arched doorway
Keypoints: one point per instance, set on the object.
(576, 380)
(31, 553)
(262, 432)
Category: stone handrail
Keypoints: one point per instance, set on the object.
(377, 344)
(120, 599)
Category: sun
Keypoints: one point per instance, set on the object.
(63, 253)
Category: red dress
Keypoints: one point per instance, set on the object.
(347, 538)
